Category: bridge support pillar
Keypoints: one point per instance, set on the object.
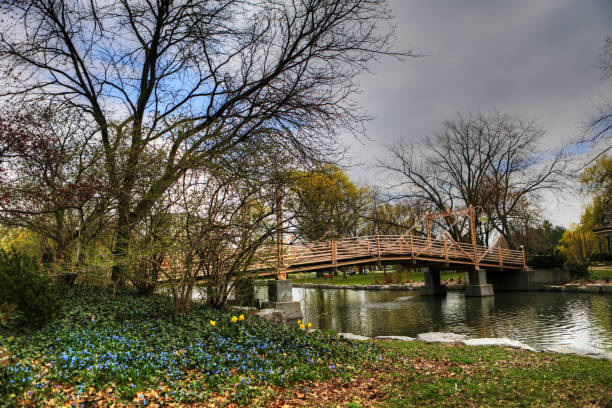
(432, 285)
(477, 283)
(280, 297)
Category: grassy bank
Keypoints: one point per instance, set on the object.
(372, 278)
(131, 351)
(603, 272)
(418, 374)
(378, 277)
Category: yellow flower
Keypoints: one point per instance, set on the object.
(241, 317)
(212, 322)
(234, 319)
(299, 321)
(301, 326)
(309, 325)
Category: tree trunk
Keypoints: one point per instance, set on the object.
(122, 246)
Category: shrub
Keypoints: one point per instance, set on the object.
(578, 270)
(601, 257)
(6, 310)
(244, 292)
(23, 285)
(547, 261)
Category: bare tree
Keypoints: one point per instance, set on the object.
(599, 128)
(198, 78)
(492, 162)
(218, 221)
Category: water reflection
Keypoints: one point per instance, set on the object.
(539, 319)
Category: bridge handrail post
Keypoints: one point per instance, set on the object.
(334, 255)
(501, 256)
(445, 251)
(473, 235)
(524, 261)
(428, 226)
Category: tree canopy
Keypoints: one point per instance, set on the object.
(327, 204)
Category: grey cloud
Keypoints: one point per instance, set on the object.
(533, 58)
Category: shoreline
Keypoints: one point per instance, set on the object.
(460, 339)
(605, 289)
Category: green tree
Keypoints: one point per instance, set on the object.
(597, 181)
(543, 239)
(326, 203)
(390, 218)
(578, 244)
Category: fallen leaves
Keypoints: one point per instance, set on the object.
(365, 389)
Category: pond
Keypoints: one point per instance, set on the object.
(540, 319)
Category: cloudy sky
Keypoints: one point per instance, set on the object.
(529, 57)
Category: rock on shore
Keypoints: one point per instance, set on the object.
(440, 337)
(497, 341)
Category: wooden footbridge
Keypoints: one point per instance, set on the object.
(410, 248)
(387, 249)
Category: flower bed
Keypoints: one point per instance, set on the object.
(134, 350)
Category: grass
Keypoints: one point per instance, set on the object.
(433, 375)
(418, 374)
(600, 272)
(372, 278)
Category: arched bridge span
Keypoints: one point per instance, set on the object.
(385, 249)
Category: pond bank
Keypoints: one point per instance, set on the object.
(392, 286)
(117, 349)
(461, 339)
(603, 288)
(417, 374)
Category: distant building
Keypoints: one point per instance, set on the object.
(604, 232)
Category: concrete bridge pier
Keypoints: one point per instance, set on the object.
(432, 285)
(477, 283)
(280, 297)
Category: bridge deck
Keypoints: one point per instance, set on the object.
(385, 249)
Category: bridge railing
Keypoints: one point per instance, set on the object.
(405, 247)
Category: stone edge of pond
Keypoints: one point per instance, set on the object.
(452, 338)
(593, 288)
(576, 288)
(370, 287)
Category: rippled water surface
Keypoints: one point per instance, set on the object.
(539, 319)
